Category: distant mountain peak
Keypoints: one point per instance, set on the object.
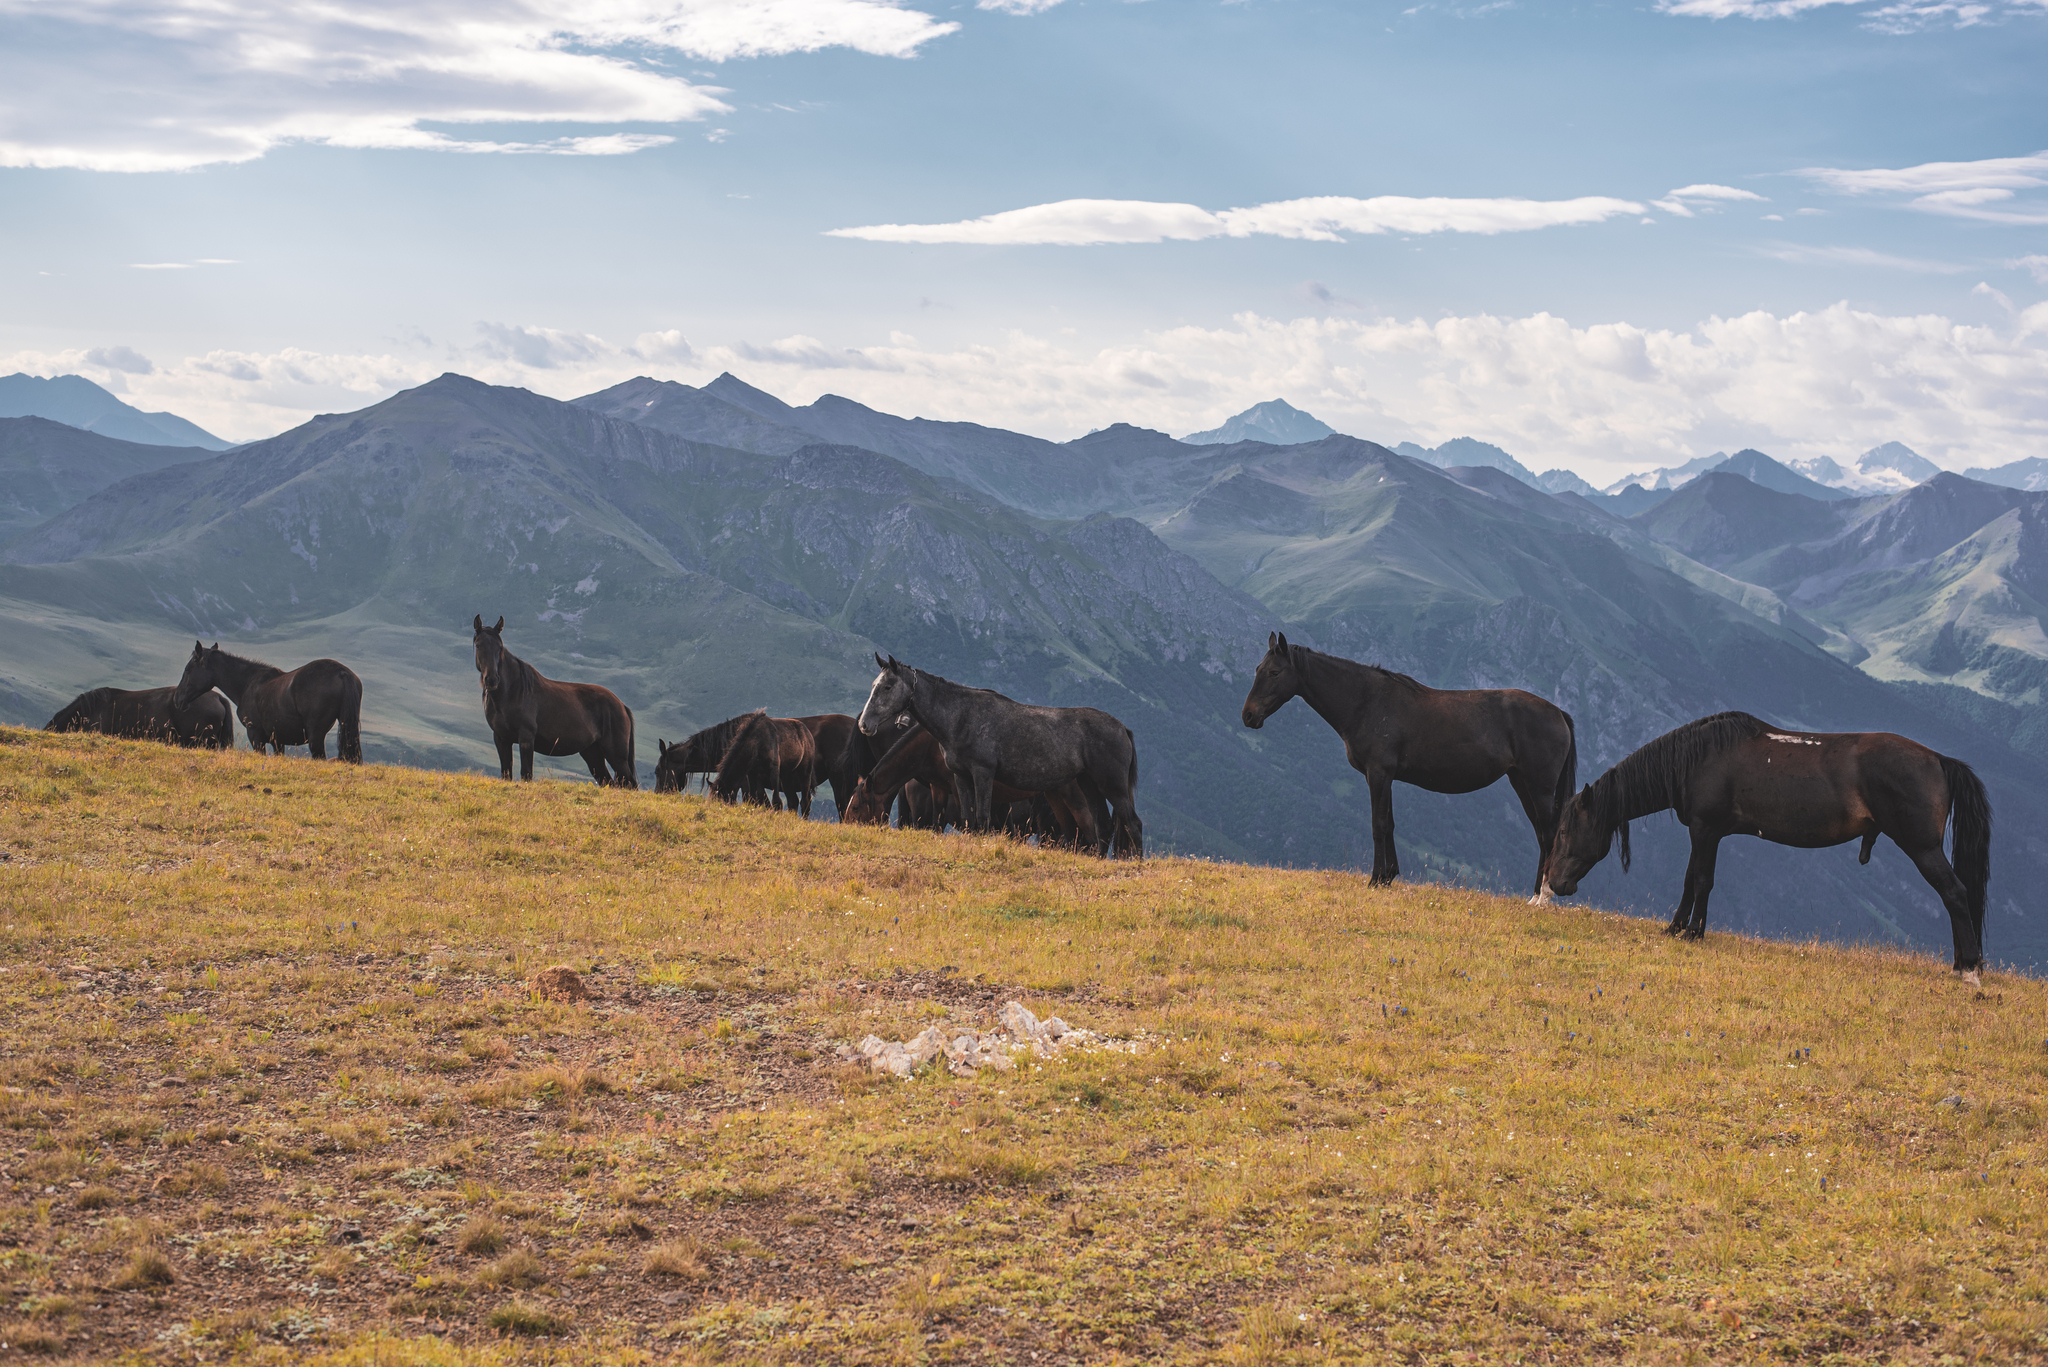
(1470, 451)
(737, 392)
(77, 402)
(1899, 458)
(1275, 422)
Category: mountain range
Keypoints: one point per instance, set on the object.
(77, 402)
(1275, 421)
(707, 550)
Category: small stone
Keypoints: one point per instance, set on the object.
(561, 984)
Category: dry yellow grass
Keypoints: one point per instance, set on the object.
(264, 1028)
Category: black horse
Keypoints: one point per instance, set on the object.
(697, 753)
(991, 739)
(769, 755)
(150, 714)
(1065, 816)
(526, 708)
(1730, 774)
(281, 707)
(1445, 741)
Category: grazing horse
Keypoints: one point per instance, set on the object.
(697, 753)
(990, 739)
(1445, 741)
(150, 714)
(769, 755)
(1069, 817)
(281, 707)
(1730, 774)
(526, 708)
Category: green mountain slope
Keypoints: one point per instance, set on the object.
(47, 467)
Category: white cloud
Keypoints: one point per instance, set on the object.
(125, 360)
(1958, 189)
(154, 85)
(1603, 398)
(1713, 192)
(2036, 266)
(1084, 222)
(1910, 16)
(1857, 256)
(1024, 7)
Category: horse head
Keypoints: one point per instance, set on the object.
(890, 698)
(669, 774)
(490, 649)
(865, 807)
(198, 676)
(1585, 833)
(1277, 679)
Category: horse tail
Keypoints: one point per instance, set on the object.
(628, 777)
(351, 745)
(1970, 810)
(1567, 776)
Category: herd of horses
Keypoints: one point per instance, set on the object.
(929, 753)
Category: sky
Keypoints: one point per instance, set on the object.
(1606, 237)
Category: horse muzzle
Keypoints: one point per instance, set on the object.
(1561, 887)
(1252, 719)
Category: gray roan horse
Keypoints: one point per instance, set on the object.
(149, 714)
(281, 707)
(1446, 741)
(1730, 774)
(991, 739)
(526, 708)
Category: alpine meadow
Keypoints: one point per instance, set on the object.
(1023, 684)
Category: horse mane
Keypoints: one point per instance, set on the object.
(1651, 779)
(1298, 655)
(515, 677)
(90, 705)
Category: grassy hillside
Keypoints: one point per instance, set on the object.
(274, 1087)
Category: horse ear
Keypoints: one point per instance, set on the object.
(478, 621)
(500, 628)
(880, 663)
(198, 649)
(1281, 637)
(894, 663)
(216, 647)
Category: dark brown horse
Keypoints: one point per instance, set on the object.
(844, 755)
(281, 707)
(990, 739)
(698, 753)
(1064, 816)
(1445, 741)
(1730, 774)
(526, 708)
(150, 714)
(769, 755)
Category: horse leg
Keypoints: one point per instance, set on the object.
(1386, 865)
(526, 756)
(1539, 807)
(504, 756)
(1941, 876)
(594, 759)
(1706, 848)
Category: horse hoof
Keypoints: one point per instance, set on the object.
(1970, 977)
(1674, 930)
(1695, 933)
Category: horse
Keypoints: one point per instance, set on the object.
(1731, 774)
(769, 755)
(698, 753)
(1065, 814)
(844, 755)
(526, 708)
(990, 739)
(1441, 740)
(281, 707)
(150, 714)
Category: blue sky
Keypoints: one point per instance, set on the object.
(1416, 222)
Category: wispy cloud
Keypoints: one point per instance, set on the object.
(154, 85)
(1959, 189)
(1905, 16)
(1089, 222)
(1702, 195)
(1857, 256)
(2036, 266)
